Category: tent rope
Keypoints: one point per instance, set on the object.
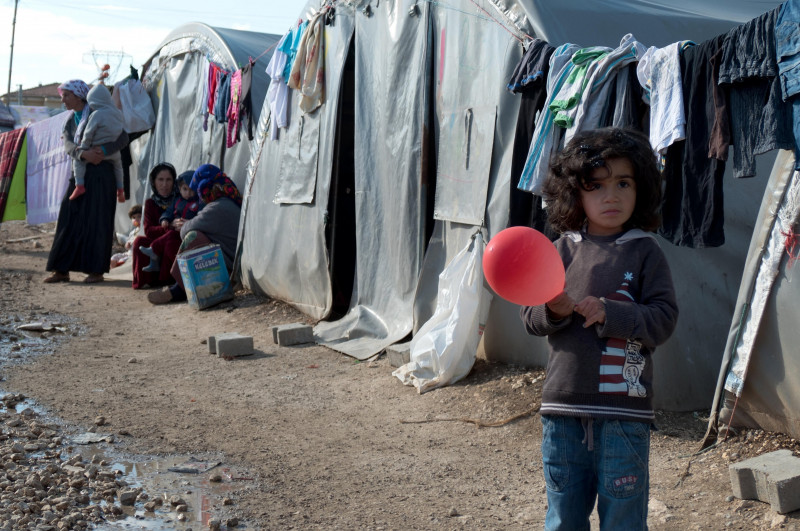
(488, 17)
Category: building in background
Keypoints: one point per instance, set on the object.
(41, 96)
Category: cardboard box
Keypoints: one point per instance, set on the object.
(205, 276)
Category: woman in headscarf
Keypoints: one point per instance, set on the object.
(217, 222)
(85, 229)
(162, 183)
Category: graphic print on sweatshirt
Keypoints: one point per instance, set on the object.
(621, 361)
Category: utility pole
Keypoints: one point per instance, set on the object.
(11, 57)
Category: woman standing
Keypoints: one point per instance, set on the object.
(162, 183)
(85, 229)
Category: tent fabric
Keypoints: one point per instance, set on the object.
(175, 76)
(48, 169)
(390, 123)
(283, 243)
(760, 375)
(466, 56)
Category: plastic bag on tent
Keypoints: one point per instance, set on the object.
(137, 109)
(443, 351)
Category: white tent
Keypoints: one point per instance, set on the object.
(354, 211)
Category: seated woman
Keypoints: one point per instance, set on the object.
(162, 183)
(217, 222)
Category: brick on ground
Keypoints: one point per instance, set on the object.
(292, 334)
(230, 345)
(399, 354)
(772, 478)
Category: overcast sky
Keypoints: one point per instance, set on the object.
(55, 39)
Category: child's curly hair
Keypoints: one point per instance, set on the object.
(571, 170)
(135, 209)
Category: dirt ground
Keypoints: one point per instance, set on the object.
(321, 434)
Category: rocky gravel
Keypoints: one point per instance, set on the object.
(45, 488)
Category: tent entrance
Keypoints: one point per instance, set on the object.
(340, 231)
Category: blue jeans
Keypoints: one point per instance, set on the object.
(787, 50)
(614, 472)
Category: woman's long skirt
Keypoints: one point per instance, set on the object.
(85, 229)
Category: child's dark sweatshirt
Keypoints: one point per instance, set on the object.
(606, 371)
(181, 208)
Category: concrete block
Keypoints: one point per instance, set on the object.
(399, 354)
(292, 334)
(772, 478)
(233, 344)
(212, 344)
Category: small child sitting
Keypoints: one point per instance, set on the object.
(135, 215)
(184, 207)
(104, 124)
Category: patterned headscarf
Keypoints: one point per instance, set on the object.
(210, 184)
(76, 86)
(81, 90)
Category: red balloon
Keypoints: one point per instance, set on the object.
(523, 266)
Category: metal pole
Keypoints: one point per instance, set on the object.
(11, 57)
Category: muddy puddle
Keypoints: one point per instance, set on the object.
(205, 486)
(25, 336)
(193, 490)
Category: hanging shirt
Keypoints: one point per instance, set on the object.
(239, 107)
(663, 74)
(308, 70)
(223, 97)
(278, 92)
(290, 47)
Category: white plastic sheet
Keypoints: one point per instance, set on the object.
(443, 351)
(137, 108)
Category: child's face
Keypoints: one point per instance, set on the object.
(186, 192)
(136, 219)
(610, 198)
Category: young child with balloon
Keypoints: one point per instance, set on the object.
(618, 304)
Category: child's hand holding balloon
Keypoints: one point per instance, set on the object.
(561, 306)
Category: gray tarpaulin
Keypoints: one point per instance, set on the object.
(283, 248)
(391, 93)
(759, 382)
(467, 50)
(174, 77)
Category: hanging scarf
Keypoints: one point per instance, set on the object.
(210, 183)
(81, 118)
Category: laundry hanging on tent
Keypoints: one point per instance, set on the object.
(240, 105)
(732, 95)
(215, 73)
(278, 91)
(223, 99)
(12, 198)
(10, 149)
(749, 71)
(308, 71)
(529, 80)
(578, 86)
(659, 73)
(48, 169)
(290, 45)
